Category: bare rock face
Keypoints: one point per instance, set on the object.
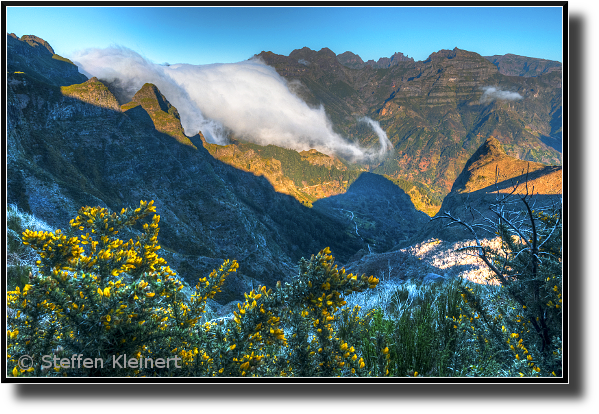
(385, 62)
(354, 61)
(351, 60)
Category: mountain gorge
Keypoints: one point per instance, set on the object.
(74, 146)
(71, 143)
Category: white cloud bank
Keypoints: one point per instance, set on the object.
(248, 98)
(492, 93)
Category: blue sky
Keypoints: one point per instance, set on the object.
(202, 35)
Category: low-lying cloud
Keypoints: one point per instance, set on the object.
(492, 93)
(248, 98)
(386, 145)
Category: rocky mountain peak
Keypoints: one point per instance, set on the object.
(163, 115)
(386, 62)
(150, 98)
(35, 41)
(491, 149)
(350, 60)
(94, 92)
(308, 54)
(303, 53)
(489, 164)
(327, 52)
(463, 55)
(489, 172)
(35, 57)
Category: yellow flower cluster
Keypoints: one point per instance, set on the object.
(208, 287)
(337, 282)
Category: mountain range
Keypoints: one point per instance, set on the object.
(436, 112)
(70, 143)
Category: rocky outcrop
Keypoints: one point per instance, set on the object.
(35, 41)
(163, 115)
(384, 62)
(350, 60)
(93, 92)
(34, 57)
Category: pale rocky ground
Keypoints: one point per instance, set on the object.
(420, 262)
(445, 255)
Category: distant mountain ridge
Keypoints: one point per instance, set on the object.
(436, 112)
(508, 64)
(354, 61)
(514, 65)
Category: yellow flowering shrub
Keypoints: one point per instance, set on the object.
(102, 306)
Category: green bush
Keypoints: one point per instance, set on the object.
(520, 323)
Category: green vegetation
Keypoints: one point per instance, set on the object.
(299, 170)
(422, 196)
(105, 299)
(342, 90)
(63, 59)
(524, 318)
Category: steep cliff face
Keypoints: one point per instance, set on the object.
(33, 55)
